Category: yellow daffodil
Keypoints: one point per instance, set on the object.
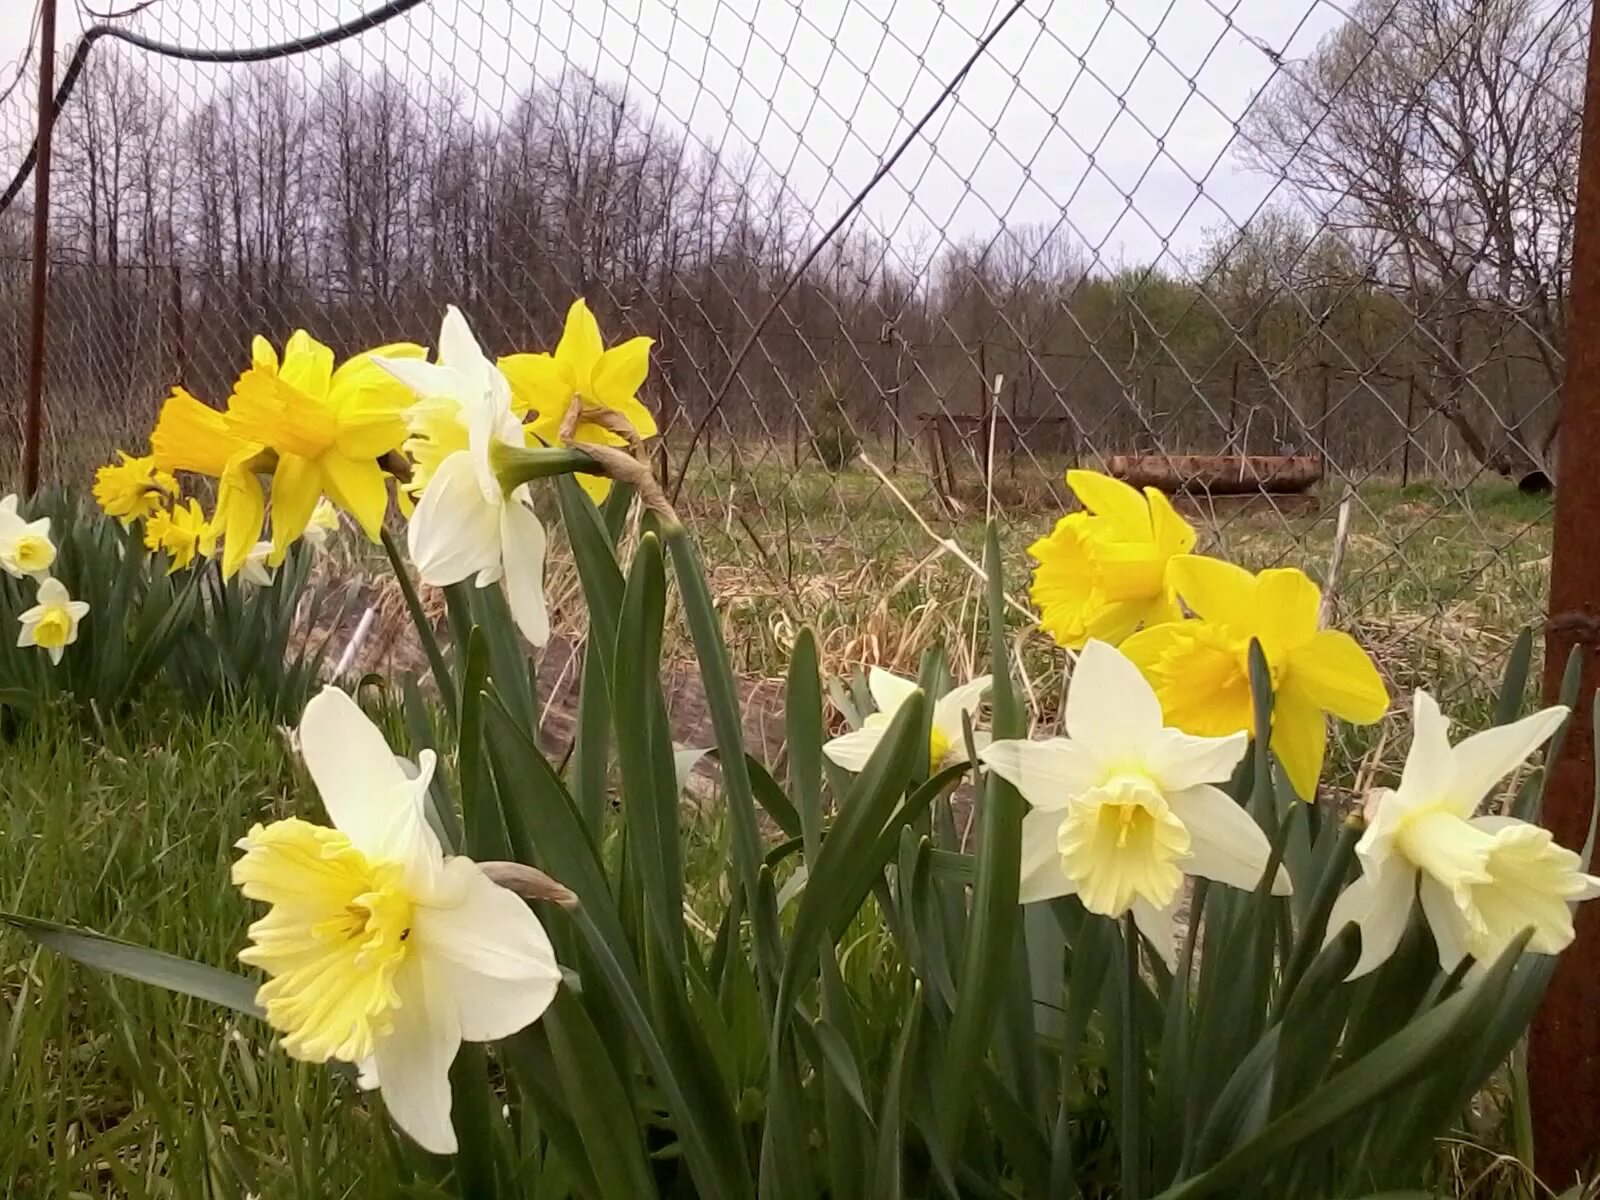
(947, 742)
(192, 436)
(52, 623)
(1124, 807)
(328, 427)
(1201, 668)
(25, 546)
(182, 533)
(544, 385)
(466, 525)
(381, 950)
(1102, 572)
(134, 488)
(1481, 880)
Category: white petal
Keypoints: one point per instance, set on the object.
(52, 593)
(1111, 707)
(1380, 904)
(1048, 774)
(1179, 760)
(427, 380)
(1042, 877)
(1484, 759)
(1429, 768)
(963, 701)
(1160, 926)
(454, 533)
(413, 1062)
(685, 760)
(889, 691)
(352, 766)
(489, 952)
(522, 549)
(29, 635)
(851, 750)
(1226, 844)
(1448, 923)
(458, 347)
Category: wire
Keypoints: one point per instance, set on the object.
(821, 243)
(250, 54)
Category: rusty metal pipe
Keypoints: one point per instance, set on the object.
(1564, 1046)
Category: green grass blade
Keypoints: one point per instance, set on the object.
(803, 704)
(887, 1178)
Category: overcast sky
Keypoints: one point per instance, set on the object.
(1115, 118)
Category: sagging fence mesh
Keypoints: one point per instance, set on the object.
(1333, 239)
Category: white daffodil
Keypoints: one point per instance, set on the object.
(1123, 807)
(52, 623)
(947, 741)
(466, 525)
(381, 950)
(257, 569)
(1481, 880)
(324, 522)
(25, 546)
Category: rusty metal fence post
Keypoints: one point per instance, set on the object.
(1564, 1060)
(33, 432)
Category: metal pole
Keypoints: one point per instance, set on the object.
(33, 431)
(1564, 1045)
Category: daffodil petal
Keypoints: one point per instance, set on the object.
(1110, 705)
(1042, 877)
(454, 534)
(458, 345)
(1226, 845)
(1299, 739)
(1379, 904)
(889, 691)
(620, 372)
(1484, 759)
(581, 346)
(357, 486)
(1160, 926)
(1430, 763)
(241, 508)
(503, 973)
(1180, 760)
(1213, 589)
(353, 768)
(296, 488)
(1446, 922)
(1118, 504)
(539, 384)
(852, 750)
(1288, 605)
(413, 1062)
(522, 549)
(307, 365)
(957, 703)
(1334, 672)
(1048, 773)
(1172, 534)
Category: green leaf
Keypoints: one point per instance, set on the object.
(995, 921)
(424, 628)
(887, 1179)
(485, 828)
(1530, 804)
(803, 710)
(475, 1113)
(143, 964)
(1514, 684)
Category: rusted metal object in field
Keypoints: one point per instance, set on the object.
(1219, 474)
(1564, 1045)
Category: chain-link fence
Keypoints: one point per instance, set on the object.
(1283, 256)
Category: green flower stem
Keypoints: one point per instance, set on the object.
(513, 467)
(1132, 1087)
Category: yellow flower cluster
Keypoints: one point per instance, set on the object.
(300, 430)
(1121, 572)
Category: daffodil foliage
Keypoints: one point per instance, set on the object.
(1145, 946)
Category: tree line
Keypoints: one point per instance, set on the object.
(1407, 286)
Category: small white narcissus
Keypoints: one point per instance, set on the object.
(1481, 880)
(947, 741)
(52, 623)
(465, 525)
(256, 570)
(1123, 807)
(381, 950)
(25, 546)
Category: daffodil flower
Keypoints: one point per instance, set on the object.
(381, 950)
(328, 427)
(257, 569)
(25, 546)
(465, 525)
(134, 488)
(545, 385)
(1481, 880)
(182, 532)
(1124, 807)
(947, 743)
(1201, 668)
(192, 436)
(52, 623)
(324, 522)
(1102, 572)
